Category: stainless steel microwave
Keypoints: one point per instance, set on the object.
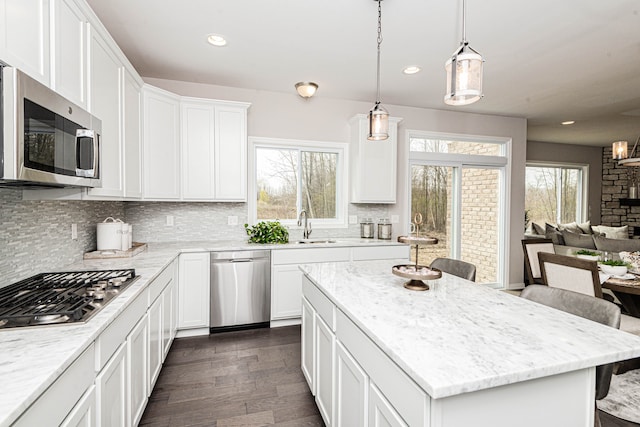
(46, 140)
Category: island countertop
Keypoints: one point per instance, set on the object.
(459, 336)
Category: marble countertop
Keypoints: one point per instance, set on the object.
(459, 336)
(31, 359)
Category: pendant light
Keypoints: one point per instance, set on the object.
(378, 116)
(620, 153)
(464, 72)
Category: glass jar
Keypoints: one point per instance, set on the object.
(366, 228)
(384, 229)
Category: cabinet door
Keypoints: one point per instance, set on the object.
(168, 296)
(325, 350)
(111, 390)
(381, 413)
(352, 387)
(69, 54)
(307, 364)
(193, 292)
(105, 84)
(197, 123)
(230, 153)
(24, 38)
(155, 342)
(137, 370)
(286, 292)
(84, 413)
(161, 144)
(132, 137)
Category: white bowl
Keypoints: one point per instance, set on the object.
(589, 257)
(617, 270)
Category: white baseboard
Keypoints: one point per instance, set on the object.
(285, 322)
(184, 333)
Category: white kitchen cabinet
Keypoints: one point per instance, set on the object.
(155, 341)
(105, 95)
(25, 37)
(307, 363)
(111, 390)
(287, 291)
(168, 313)
(193, 291)
(325, 343)
(381, 413)
(214, 150)
(161, 144)
(137, 371)
(69, 51)
(132, 136)
(84, 413)
(352, 386)
(373, 164)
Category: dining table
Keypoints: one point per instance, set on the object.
(627, 291)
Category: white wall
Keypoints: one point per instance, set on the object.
(320, 119)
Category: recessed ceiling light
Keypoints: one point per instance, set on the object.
(216, 40)
(568, 122)
(411, 69)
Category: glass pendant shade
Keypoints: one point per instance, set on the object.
(378, 123)
(464, 77)
(619, 150)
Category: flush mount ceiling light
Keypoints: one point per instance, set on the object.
(568, 122)
(306, 89)
(464, 72)
(216, 40)
(619, 152)
(411, 69)
(378, 116)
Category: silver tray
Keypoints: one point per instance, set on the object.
(423, 273)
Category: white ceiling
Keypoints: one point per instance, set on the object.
(546, 60)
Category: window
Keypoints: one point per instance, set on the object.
(458, 192)
(555, 193)
(289, 176)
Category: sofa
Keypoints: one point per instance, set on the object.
(586, 236)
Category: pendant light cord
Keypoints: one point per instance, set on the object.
(464, 23)
(379, 40)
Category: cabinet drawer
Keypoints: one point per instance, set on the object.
(363, 253)
(323, 306)
(405, 396)
(116, 333)
(301, 256)
(57, 401)
(161, 281)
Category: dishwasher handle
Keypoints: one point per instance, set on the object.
(241, 260)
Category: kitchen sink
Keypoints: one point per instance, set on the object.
(310, 241)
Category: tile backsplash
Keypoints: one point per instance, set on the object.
(35, 236)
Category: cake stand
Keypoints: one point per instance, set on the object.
(417, 273)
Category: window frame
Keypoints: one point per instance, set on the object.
(339, 148)
(583, 203)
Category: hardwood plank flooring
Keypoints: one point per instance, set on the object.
(243, 378)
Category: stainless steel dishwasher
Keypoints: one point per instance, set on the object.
(240, 290)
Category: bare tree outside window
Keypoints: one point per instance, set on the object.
(552, 194)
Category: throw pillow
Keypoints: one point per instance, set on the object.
(551, 232)
(585, 227)
(571, 226)
(616, 245)
(613, 232)
(578, 240)
(538, 229)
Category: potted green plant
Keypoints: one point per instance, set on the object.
(267, 232)
(614, 267)
(587, 254)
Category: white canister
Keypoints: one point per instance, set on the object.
(109, 235)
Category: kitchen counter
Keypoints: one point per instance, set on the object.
(460, 337)
(31, 359)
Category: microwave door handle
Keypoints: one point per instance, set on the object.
(83, 133)
(96, 154)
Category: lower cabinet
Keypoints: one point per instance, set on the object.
(137, 370)
(155, 341)
(308, 339)
(381, 413)
(325, 349)
(351, 391)
(168, 317)
(84, 413)
(285, 291)
(193, 292)
(111, 390)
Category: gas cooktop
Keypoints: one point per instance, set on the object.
(60, 298)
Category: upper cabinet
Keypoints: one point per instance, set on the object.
(161, 146)
(105, 97)
(214, 150)
(69, 51)
(373, 164)
(25, 37)
(132, 136)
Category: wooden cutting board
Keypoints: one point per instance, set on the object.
(136, 248)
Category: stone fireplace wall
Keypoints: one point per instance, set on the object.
(615, 180)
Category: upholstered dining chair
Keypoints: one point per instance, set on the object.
(456, 267)
(531, 248)
(570, 273)
(595, 309)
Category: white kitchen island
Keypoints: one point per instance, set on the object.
(457, 355)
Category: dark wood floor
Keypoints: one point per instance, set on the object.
(244, 378)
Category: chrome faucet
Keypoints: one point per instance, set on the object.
(307, 225)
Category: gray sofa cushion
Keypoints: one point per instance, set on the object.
(551, 232)
(616, 245)
(585, 227)
(613, 232)
(578, 240)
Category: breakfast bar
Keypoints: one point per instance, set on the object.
(458, 354)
